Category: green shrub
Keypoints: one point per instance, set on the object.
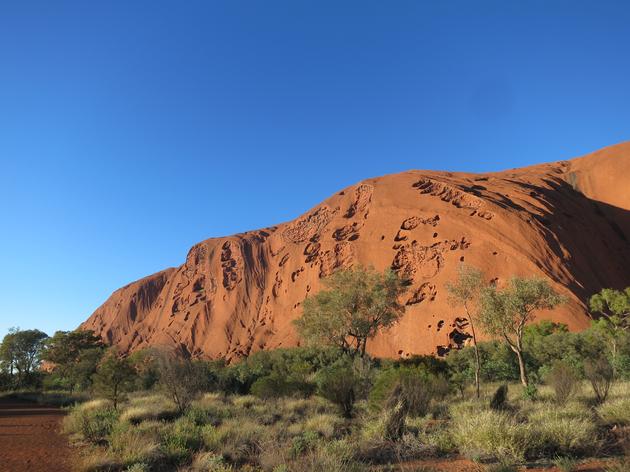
(337, 384)
(93, 421)
(530, 392)
(304, 442)
(418, 388)
(181, 439)
(275, 386)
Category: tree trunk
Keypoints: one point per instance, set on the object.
(477, 372)
(477, 357)
(521, 368)
(614, 355)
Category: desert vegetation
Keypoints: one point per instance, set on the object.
(535, 394)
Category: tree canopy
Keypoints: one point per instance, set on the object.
(505, 312)
(20, 353)
(353, 306)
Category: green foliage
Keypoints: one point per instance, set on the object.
(74, 356)
(303, 443)
(465, 291)
(419, 385)
(505, 312)
(613, 306)
(20, 356)
(338, 384)
(146, 367)
(92, 421)
(181, 379)
(297, 365)
(530, 392)
(354, 306)
(430, 364)
(114, 376)
(182, 439)
(274, 386)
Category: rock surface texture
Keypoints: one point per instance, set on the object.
(567, 221)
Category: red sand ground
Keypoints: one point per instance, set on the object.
(30, 440)
(464, 465)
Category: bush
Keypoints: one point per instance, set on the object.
(181, 439)
(294, 364)
(418, 388)
(600, 375)
(181, 379)
(337, 384)
(92, 421)
(530, 392)
(275, 386)
(114, 376)
(564, 381)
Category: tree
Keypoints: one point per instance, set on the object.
(74, 356)
(181, 379)
(614, 308)
(113, 378)
(20, 353)
(505, 312)
(354, 306)
(465, 291)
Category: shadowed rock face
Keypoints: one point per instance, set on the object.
(567, 221)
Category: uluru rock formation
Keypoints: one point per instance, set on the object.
(567, 221)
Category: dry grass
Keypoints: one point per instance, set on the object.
(219, 433)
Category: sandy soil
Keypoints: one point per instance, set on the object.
(30, 438)
(464, 465)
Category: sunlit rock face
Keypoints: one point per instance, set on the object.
(567, 221)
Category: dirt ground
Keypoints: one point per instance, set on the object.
(464, 465)
(30, 438)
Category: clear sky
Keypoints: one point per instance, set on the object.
(130, 130)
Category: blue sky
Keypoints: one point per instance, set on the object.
(130, 130)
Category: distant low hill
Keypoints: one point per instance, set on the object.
(567, 221)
